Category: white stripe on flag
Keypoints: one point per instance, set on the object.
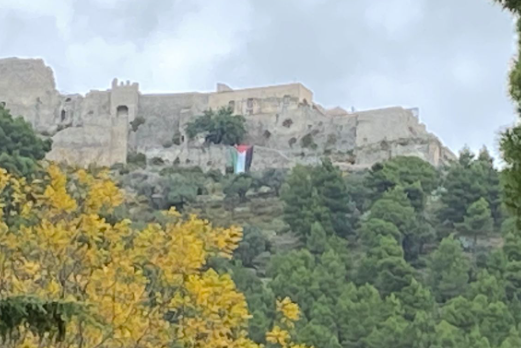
(241, 163)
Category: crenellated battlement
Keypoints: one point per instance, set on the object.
(125, 85)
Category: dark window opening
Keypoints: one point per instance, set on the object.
(231, 104)
(67, 100)
(250, 103)
(182, 138)
(2, 104)
(122, 110)
(267, 134)
(63, 115)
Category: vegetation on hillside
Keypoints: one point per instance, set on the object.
(20, 147)
(404, 248)
(400, 255)
(111, 285)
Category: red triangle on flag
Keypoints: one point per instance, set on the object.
(242, 148)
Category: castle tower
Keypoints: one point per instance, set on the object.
(124, 98)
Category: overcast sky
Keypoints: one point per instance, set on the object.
(448, 57)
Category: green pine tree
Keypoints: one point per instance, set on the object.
(20, 147)
(317, 242)
(513, 340)
(489, 285)
(477, 222)
(448, 270)
(416, 298)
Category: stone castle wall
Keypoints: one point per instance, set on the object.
(283, 122)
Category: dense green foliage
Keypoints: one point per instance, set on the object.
(42, 318)
(466, 182)
(317, 194)
(511, 139)
(20, 147)
(221, 127)
(379, 258)
(388, 272)
(368, 256)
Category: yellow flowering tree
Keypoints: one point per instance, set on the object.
(69, 278)
(280, 336)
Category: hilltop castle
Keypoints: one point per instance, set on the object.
(283, 122)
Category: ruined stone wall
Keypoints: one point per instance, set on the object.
(283, 123)
(389, 124)
(28, 89)
(166, 115)
(248, 101)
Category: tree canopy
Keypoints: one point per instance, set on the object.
(144, 288)
(221, 127)
(20, 147)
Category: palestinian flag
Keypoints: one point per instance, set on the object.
(242, 156)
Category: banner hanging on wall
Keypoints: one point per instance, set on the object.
(242, 156)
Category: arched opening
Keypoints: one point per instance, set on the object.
(231, 104)
(63, 115)
(122, 110)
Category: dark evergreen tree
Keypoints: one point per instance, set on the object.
(467, 181)
(20, 147)
(317, 194)
(403, 171)
(488, 285)
(416, 298)
(477, 222)
(317, 242)
(371, 230)
(253, 243)
(221, 127)
(328, 181)
(292, 276)
(484, 167)
(448, 270)
(360, 311)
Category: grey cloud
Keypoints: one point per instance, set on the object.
(133, 20)
(347, 59)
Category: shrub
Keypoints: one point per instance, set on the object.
(221, 128)
(307, 142)
(137, 158)
(157, 161)
(177, 138)
(20, 147)
(138, 121)
(287, 122)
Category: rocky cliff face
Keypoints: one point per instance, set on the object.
(283, 123)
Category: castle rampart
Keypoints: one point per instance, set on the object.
(283, 121)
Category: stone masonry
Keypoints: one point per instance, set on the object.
(283, 122)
